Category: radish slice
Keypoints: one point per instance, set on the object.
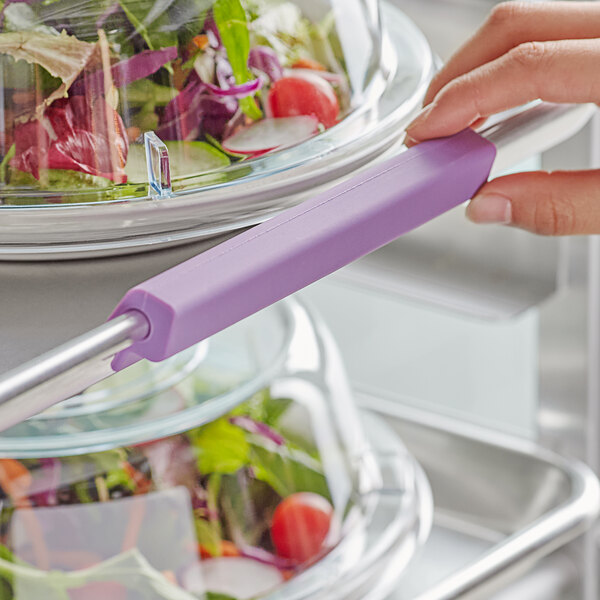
(241, 578)
(271, 134)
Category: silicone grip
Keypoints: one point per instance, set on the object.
(233, 280)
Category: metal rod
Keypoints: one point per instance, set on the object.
(534, 130)
(66, 370)
(76, 365)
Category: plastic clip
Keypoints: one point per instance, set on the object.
(157, 163)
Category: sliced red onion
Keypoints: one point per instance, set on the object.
(252, 426)
(224, 72)
(126, 71)
(237, 91)
(212, 32)
(265, 60)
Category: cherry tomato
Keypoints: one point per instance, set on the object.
(300, 526)
(304, 94)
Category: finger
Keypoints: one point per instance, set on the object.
(564, 71)
(559, 203)
(513, 23)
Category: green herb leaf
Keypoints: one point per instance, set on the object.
(220, 447)
(232, 22)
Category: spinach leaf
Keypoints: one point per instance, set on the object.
(232, 22)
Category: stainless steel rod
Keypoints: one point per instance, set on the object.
(533, 131)
(66, 370)
(72, 367)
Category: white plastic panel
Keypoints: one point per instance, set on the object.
(481, 371)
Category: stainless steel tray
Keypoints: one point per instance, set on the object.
(501, 506)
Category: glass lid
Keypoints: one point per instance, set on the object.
(136, 123)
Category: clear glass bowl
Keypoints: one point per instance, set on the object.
(386, 72)
(217, 83)
(238, 469)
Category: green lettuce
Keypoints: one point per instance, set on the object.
(232, 22)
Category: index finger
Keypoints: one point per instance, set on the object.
(565, 71)
(513, 23)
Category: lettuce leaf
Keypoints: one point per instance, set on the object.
(220, 447)
(63, 56)
(130, 569)
(232, 22)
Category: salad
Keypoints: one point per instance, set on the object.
(226, 511)
(218, 81)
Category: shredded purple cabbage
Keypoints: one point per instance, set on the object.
(126, 71)
(192, 108)
(265, 60)
(258, 428)
(184, 99)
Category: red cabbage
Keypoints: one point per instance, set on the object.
(192, 109)
(73, 134)
(184, 99)
(265, 60)
(252, 426)
(126, 71)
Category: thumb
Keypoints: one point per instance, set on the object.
(558, 203)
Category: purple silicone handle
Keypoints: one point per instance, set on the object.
(233, 280)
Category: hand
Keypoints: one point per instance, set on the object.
(523, 52)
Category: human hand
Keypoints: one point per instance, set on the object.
(521, 53)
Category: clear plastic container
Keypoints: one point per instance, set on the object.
(238, 469)
(132, 159)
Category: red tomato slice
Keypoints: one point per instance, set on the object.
(300, 526)
(304, 94)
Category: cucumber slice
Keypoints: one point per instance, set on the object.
(186, 159)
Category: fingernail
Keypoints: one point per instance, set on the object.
(409, 141)
(420, 117)
(490, 208)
